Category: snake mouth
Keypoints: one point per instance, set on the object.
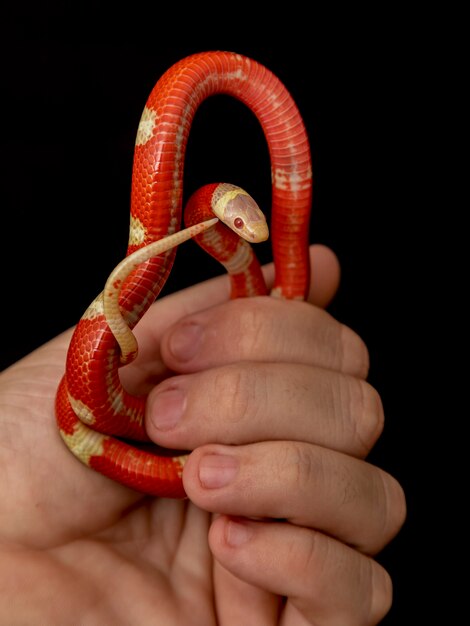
(259, 232)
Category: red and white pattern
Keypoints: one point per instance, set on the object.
(92, 407)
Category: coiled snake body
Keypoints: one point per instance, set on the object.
(94, 412)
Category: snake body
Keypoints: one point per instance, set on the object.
(95, 414)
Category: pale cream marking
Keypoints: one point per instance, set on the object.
(114, 318)
(118, 406)
(84, 442)
(222, 189)
(81, 410)
(276, 292)
(238, 74)
(180, 461)
(279, 179)
(178, 164)
(137, 232)
(116, 395)
(240, 260)
(292, 181)
(173, 225)
(277, 99)
(117, 401)
(132, 317)
(221, 203)
(251, 287)
(95, 309)
(274, 101)
(146, 126)
(213, 238)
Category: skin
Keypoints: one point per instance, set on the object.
(277, 407)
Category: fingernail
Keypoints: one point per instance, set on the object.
(237, 533)
(217, 470)
(185, 341)
(168, 408)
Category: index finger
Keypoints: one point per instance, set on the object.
(324, 283)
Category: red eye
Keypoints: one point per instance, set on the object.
(238, 223)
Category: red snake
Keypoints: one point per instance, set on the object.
(94, 412)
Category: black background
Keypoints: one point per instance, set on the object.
(72, 91)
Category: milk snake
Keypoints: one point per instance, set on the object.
(95, 414)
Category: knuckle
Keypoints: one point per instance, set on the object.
(312, 557)
(252, 327)
(234, 392)
(257, 328)
(298, 464)
(354, 355)
(364, 412)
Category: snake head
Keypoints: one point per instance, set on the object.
(237, 210)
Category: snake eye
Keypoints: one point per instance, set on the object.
(238, 222)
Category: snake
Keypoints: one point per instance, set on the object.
(100, 422)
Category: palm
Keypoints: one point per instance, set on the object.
(104, 549)
(107, 552)
(73, 543)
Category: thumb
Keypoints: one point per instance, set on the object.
(325, 275)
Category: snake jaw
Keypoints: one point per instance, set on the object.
(239, 211)
(255, 232)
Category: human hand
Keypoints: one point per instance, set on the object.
(78, 548)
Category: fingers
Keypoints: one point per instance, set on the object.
(308, 485)
(326, 273)
(273, 369)
(254, 402)
(148, 369)
(325, 581)
(263, 329)
(324, 284)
